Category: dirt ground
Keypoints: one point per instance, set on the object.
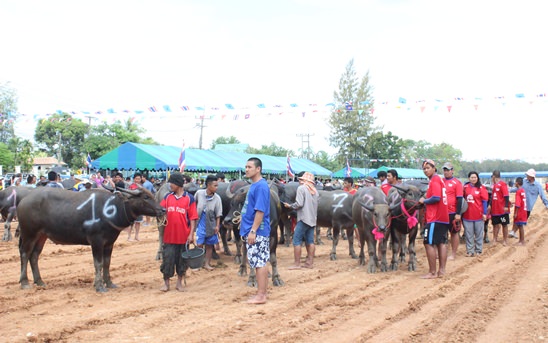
(500, 297)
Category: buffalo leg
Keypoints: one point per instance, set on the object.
(27, 253)
(335, 238)
(7, 232)
(276, 278)
(7, 227)
(97, 252)
(372, 252)
(107, 254)
(318, 236)
(350, 235)
(395, 239)
(161, 228)
(362, 246)
(238, 242)
(36, 251)
(382, 247)
(412, 264)
(224, 233)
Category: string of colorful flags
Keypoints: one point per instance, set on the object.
(233, 112)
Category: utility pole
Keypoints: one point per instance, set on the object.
(307, 141)
(201, 126)
(89, 119)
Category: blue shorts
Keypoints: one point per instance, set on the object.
(258, 254)
(202, 239)
(303, 232)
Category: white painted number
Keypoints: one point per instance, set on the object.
(109, 211)
(93, 220)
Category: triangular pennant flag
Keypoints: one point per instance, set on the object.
(449, 108)
(422, 108)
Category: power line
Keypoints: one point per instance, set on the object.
(307, 141)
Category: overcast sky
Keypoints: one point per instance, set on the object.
(92, 56)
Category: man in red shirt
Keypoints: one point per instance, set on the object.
(181, 216)
(500, 207)
(453, 188)
(348, 185)
(437, 221)
(392, 179)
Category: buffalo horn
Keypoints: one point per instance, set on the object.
(134, 192)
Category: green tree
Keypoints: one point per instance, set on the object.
(350, 122)
(224, 140)
(62, 135)
(8, 112)
(105, 137)
(386, 146)
(326, 161)
(6, 158)
(22, 153)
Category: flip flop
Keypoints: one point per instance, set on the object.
(294, 267)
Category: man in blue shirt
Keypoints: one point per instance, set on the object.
(532, 190)
(255, 226)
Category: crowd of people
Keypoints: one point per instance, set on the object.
(449, 206)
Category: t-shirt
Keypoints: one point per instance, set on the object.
(134, 186)
(521, 207)
(453, 189)
(500, 190)
(179, 212)
(437, 212)
(257, 199)
(474, 196)
(351, 191)
(385, 187)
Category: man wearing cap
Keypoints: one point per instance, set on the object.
(306, 204)
(500, 207)
(180, 212)
(437, 221)
(255, 226)
(453, 188)
(532, 191)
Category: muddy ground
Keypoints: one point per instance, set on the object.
(501, 296)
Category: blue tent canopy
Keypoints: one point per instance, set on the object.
(134, 156)
(403, 173)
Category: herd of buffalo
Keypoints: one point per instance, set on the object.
(96, 217)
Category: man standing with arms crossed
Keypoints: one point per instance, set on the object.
(255, 226)
(500, 207)
(453, 188)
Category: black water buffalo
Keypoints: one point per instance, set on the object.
(9, 199)
(233, 219)
(226, 192)
(371, 214)
(405, 207)
(161, 220)
(287, 193)
(335, 211)
(93, 217)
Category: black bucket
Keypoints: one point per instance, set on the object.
(194, 258)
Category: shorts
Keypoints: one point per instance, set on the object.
(172, 260)
(139, 219)
(304, 232)
(202, 239)
(503, 219)
(435, 233)
(258, 254)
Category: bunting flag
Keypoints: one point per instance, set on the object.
(182, 159)
(290, 171)
(167, 108)
(229, 106)
(88, 161)
(348, 169)
(185, 108)
(152, 109)
(348, 105)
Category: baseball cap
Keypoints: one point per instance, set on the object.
(447, 165)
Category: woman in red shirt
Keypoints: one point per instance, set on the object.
(475, 194)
